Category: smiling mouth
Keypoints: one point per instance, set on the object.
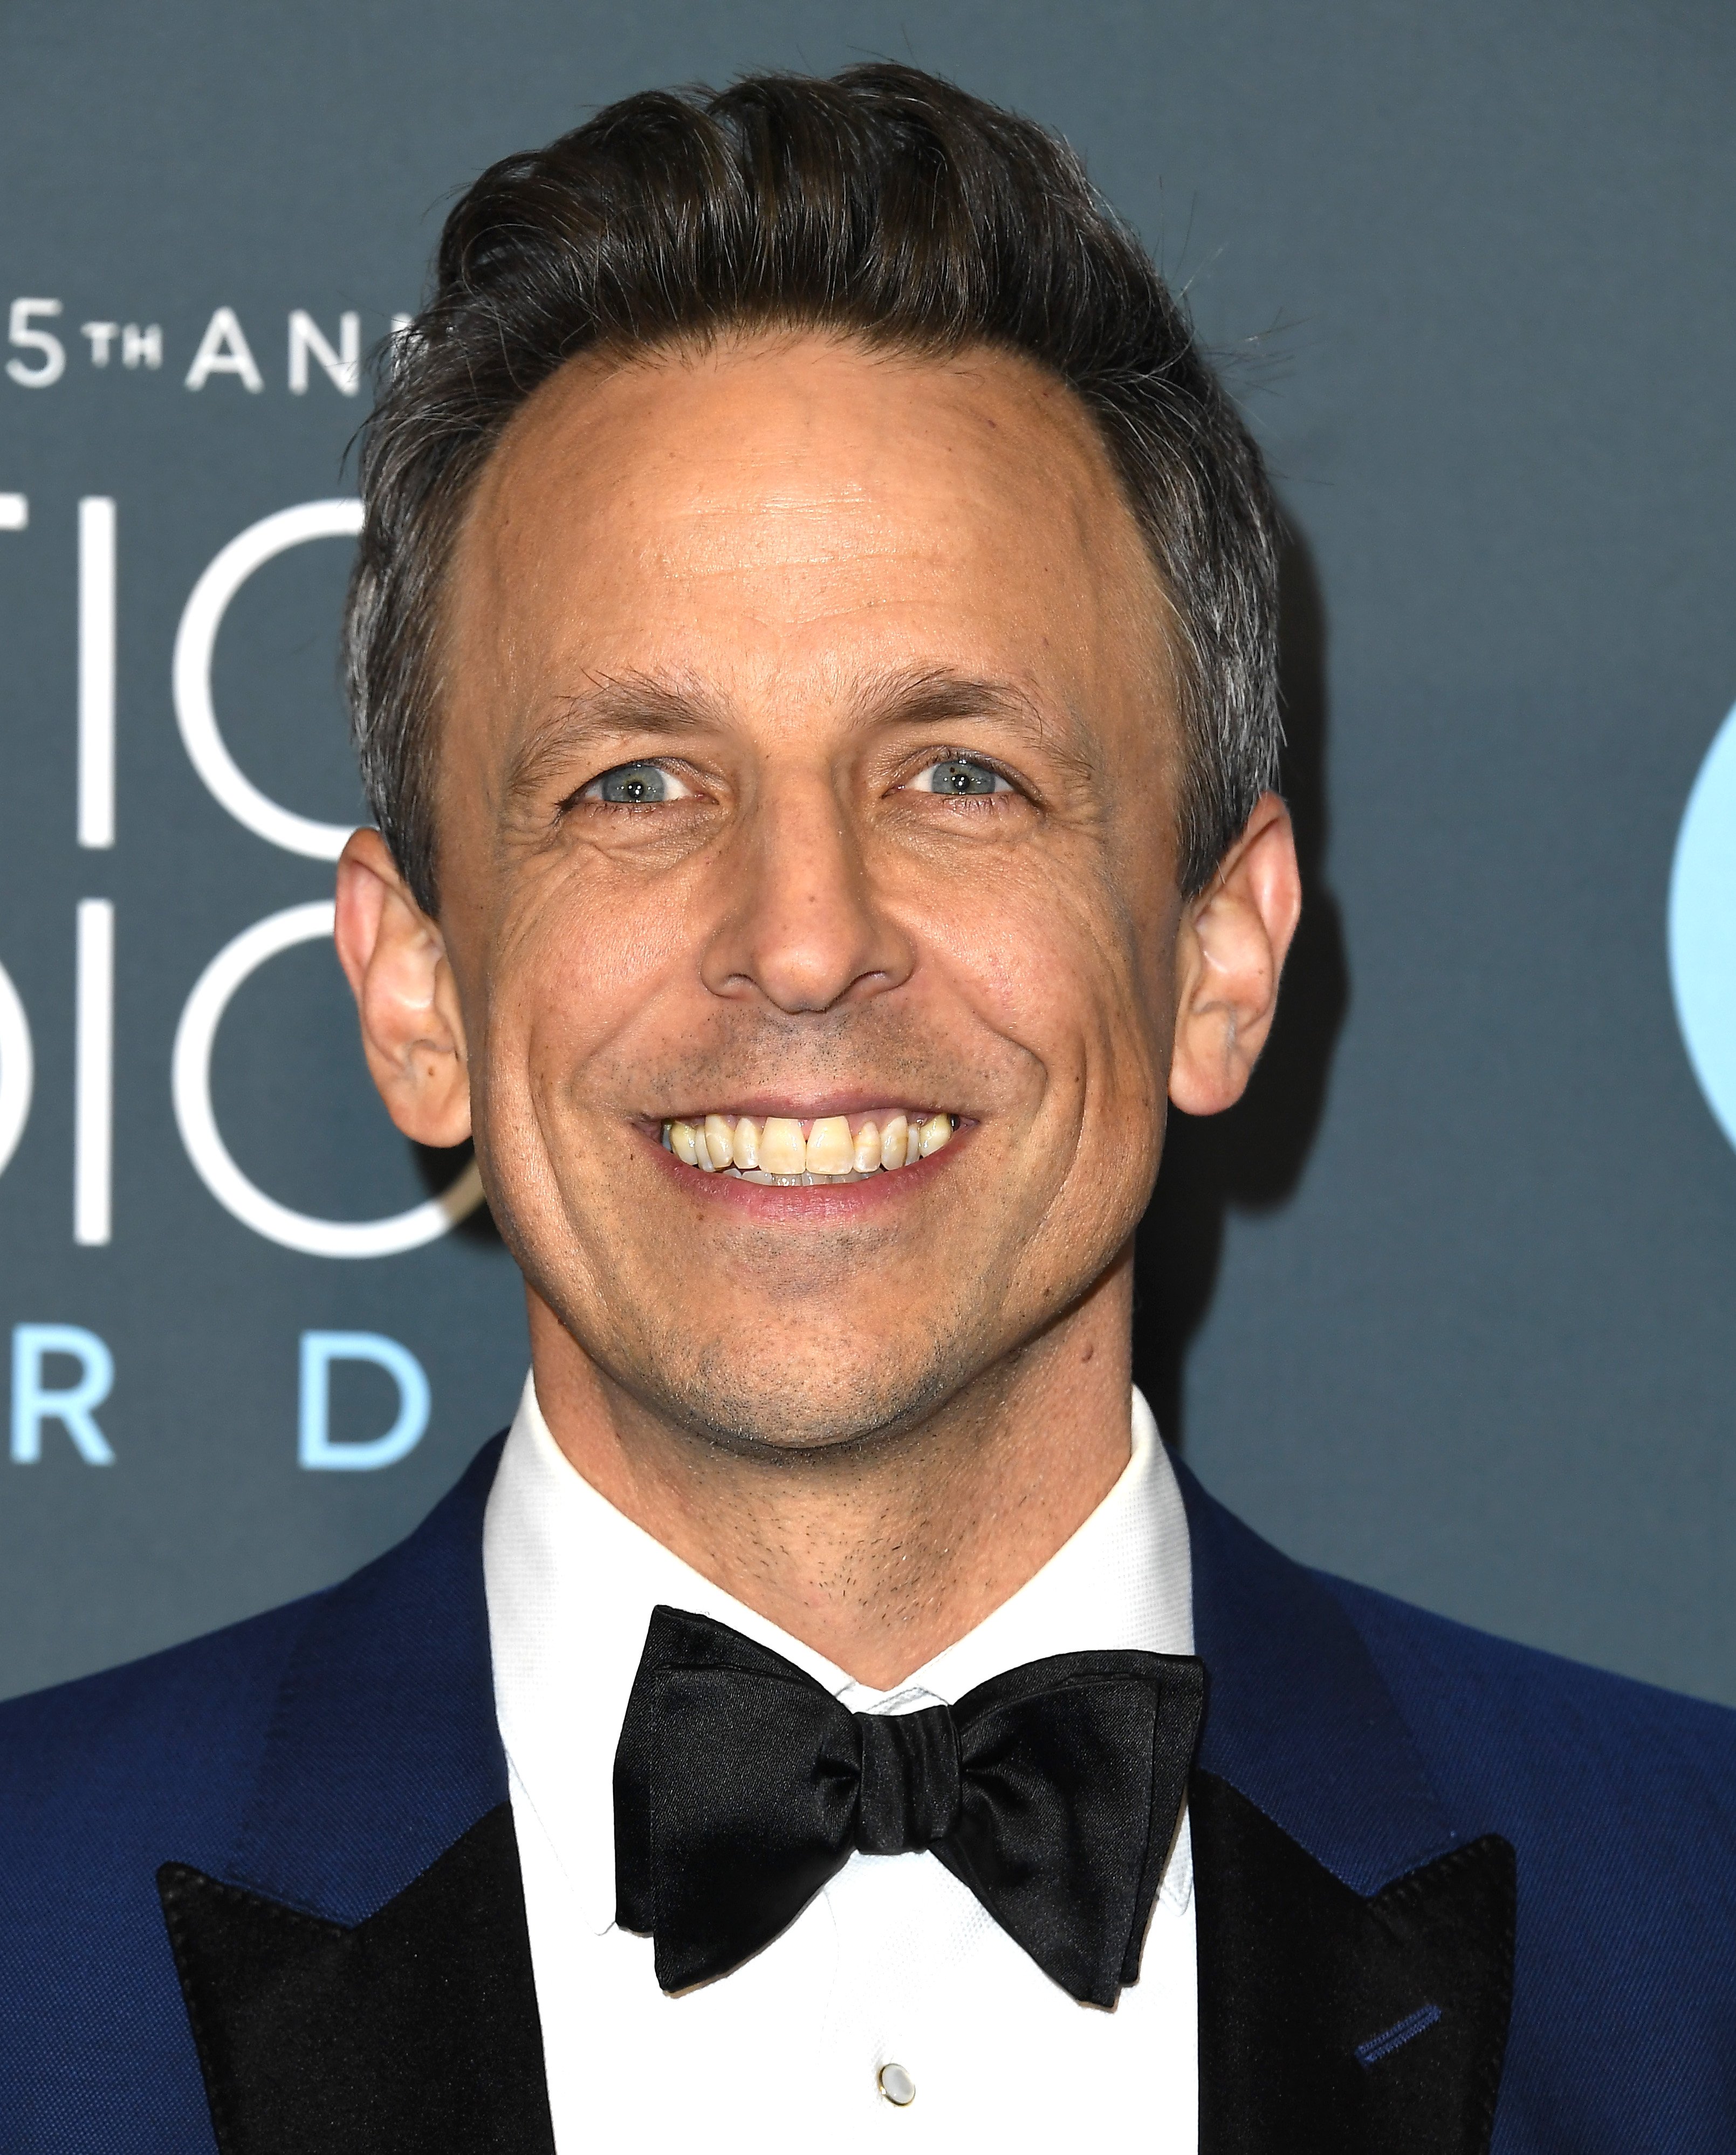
(788, 1154)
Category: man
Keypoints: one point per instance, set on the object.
(811, 652)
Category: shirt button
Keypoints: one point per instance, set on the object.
(896, 2086)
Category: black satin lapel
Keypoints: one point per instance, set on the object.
(1334, 2022)
(415, 2032)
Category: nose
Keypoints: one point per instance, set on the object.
(799, 929)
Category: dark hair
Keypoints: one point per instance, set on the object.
(884, 203)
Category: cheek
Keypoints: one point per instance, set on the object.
(579, 981)
(1059, 968)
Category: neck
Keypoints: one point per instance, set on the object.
(881, 1555)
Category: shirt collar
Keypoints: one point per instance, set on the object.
(571, 1583)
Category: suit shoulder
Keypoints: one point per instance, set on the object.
(1528, 1732)
(1619, 1802)
(167, 1739)
(160, 1759)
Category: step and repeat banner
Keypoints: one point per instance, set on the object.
(1449, 1304)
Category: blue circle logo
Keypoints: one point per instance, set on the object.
(1702, 927)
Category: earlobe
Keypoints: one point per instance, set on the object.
(395, 960)
(1230, 952)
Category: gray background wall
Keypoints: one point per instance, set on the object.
(1447, 1304)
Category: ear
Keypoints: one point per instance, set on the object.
(1229, 952)
(411, 1028)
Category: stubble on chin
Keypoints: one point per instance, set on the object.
(783, 1405)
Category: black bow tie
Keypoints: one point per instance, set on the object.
(741, 1786)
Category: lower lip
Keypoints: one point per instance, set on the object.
(821, 1204)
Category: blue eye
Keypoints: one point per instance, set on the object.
(635, 785)
(961, 779)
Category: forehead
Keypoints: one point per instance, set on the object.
(779, 513)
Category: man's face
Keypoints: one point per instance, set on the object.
(808, 752)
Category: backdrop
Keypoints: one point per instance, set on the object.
(1447, 1305)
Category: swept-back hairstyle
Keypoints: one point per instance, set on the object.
(883, 203)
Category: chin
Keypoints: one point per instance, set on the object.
(746, 1411)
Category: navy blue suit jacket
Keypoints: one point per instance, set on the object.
(260, 1893)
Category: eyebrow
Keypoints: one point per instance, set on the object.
(933, 694)
(611, 709)
(643, 706)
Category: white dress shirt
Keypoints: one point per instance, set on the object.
(896, 1962)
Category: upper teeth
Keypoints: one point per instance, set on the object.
(781, 1148)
